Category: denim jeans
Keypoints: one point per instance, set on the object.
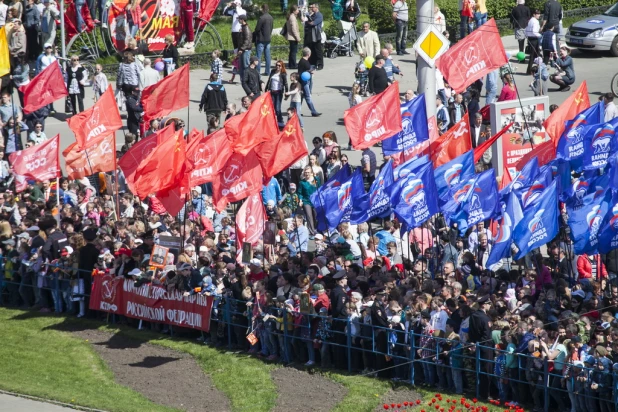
(464, 27)
(244, 63)
(491, 85)
(292, 56)
(445, 377)
(78, 11)
(401, 35)
(277, 96)
(310, 350)
(458, 380)
(285, 351)
(307, 97)
(298, 106)
(284, 5)
(480, 19)
(263, 47)
(429, 372)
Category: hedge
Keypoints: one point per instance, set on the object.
(380, 11)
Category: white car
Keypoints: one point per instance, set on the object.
(598, 33)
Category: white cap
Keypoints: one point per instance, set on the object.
(154, 225)
(135, 272)
(138, 241)
(198, 189)
(255, 262)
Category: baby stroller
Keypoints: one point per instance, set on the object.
(362, 77)
(344, 45)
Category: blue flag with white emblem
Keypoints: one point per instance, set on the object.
(599, 144)
(571, 144)
(529, 194)
(338, 199)
(608, 235)
(561, 172)
(540, 223)
(450, 174)
(585, 223)
(408, 166)
(414, 198)
(318, 199)
(524, 177)
(576, 194)
(377, 202)
(414, 127)
(511, 215)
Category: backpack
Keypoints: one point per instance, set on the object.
(543, 72)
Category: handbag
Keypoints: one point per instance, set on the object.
(284, 30)
(520, 34)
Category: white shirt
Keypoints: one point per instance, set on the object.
(611, 111)
(3, 10)
(533, 29)
(47, 60)
(235, 23)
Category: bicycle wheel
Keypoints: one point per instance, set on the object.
(614, 85)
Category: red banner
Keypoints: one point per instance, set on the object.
(375, 119)
(454, 142)
(257, 125)
(577, 102)
(166, 96)
(101, 157)
(92, 124)
(544, 152)
(46, 87)
(40, 162)
(239, 178)
(473, 57)
(150, 303)
(208, 155)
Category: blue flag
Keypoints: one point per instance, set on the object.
(338, 199)
(561, 171)
(524, 177)
(530, 194)
(571, 143)
(415, 198)
(608, 235)
(473, 201)
(414, 128)
(540, 223)
(511, 215)
(318, 200)
(377, 202)
(599, 144)
(405, 168)
(584, 186)
(450, 174)
(586, 222)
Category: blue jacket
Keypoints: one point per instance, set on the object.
(199, 205)
(390, 69)
(385, 237)
(271, 191)
(300, 236)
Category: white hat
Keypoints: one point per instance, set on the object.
(270, 203)
(138, 241)
(319, 237)
(47, 46)
(203, 249)
(33, 228)
(135, 272)
(198, 189)
(255, 262)
(24, 235)
(154, 225)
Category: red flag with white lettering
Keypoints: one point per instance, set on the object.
(100, 157)
(257, 125)
(40, 162)
(250, 221)
(131, 160)
(375, 119)
(167, 96)
(240, 177)
(473, 57)
(96, 122)
(46, 87)
(284, 150)
(454, 142)
(208, 155)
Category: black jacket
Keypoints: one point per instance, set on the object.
(479, 328)
(338, 299)
(264, 28)
(245, 38)
(214, 97)
(520, 16)
(282, 76)
(171, 52)
(552, 13)
(251, 81)
(378, 80)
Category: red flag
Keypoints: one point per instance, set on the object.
(154, 175)
(40, 162)
(257, 125)
(94, 123)
(284, 150)
(168, 95)
(473, 57)
(46, 87)
(172, 200)
(375, 119)
(207, 9)
(480, 149)
(506, 178)
(240, 177)
(250, 221)
(100, 157)
(453, 143)
(208, 155)
(131, 160)
(544, 152)
(70, 20)
(577, 102)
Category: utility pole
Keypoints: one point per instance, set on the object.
(62, 33)
(426, 75)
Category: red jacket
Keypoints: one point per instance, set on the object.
(584, 267)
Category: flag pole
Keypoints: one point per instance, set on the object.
(521, 106)
(184, 226)
(58, 193)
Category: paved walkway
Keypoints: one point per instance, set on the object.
(16, 404)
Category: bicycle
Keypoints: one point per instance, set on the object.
(614, 85)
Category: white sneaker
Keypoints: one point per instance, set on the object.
(189, 45)
(310, 363)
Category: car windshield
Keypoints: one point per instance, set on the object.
(613, 11)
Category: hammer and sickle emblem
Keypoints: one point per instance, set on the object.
(289, 130)
(579, 99)
(264, 110)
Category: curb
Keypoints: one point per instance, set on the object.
(58, 403)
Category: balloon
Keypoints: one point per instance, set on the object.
(369, 62)
(159, 66)
(305, 76)
(521, 56)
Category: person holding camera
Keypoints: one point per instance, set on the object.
(566, 75)
(313, 36)
(235, 10)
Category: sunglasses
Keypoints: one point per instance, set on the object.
(74, 60)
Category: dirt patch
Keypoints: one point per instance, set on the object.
(294, 389)
(162, 375)
(398, 397)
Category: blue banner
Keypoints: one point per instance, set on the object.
(318, 199)
(599, 144)
(586, 222)
(452, 173)
(608, 235)
(530, 194)
(525, 176)
(414, 128)
(511, 215)
(405, 168)
(338, 199)
(540, 223)
(415, 198)
(377, 202)
(571, 144)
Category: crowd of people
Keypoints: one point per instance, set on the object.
(385, 296)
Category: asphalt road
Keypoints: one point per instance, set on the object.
(16, 404)
(332, 85)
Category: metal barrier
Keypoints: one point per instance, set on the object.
(292, 336)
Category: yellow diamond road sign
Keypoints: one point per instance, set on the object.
(430, 45)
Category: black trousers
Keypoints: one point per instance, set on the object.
(317, 54)
(79, 99)
(533, 42)
(236, 39)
